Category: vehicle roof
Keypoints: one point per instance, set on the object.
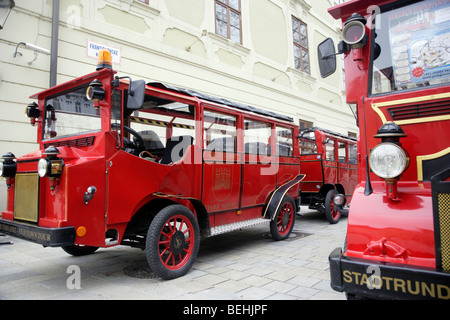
(223, 101)
(346, 9)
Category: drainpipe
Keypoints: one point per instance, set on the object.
(55, 37)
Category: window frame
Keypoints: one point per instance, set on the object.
(226, 4)
(300, 46)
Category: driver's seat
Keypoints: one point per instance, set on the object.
(176, 147)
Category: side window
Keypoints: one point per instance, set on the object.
(156, 128)
(352, 157)
(183, 127)
(257, 137)
(308, 144)
(342, 152)
(284, 142)
(329, 150)
(219, 132)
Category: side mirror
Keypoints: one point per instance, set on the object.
(327, 58)
(136, 95)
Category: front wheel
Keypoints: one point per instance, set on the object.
(172, 242)
(78, 250)
(284, 221)
(331, 210)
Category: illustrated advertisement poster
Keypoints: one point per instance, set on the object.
(420, 41)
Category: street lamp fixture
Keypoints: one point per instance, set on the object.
(5, 9)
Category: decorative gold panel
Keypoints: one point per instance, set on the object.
(444, 223)
(26, 198)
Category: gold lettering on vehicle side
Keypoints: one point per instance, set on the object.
(28, 234)
(398, 285)
(223, 179)
(222, 182)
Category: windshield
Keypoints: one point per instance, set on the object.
(70, 113)
(415, 47)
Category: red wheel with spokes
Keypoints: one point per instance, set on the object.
(172, 242)
(331, 210)
(281, 227)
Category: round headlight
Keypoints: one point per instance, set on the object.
(388, 160)
(1, 169)
(353, 32)
(42, 167)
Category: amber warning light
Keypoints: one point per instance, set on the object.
(104, 60)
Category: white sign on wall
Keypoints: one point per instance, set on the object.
(93, 48)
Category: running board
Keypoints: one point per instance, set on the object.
(236, 226)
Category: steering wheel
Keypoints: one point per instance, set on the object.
(133, 147)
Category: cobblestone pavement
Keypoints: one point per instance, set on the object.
(242, 265)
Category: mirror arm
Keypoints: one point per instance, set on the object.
(331, 55)
(116, 83)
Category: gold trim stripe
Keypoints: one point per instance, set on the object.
(377, 108)
(420, 159)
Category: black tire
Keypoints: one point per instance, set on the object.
(78, 251)
(331, 211)
(169, 253)
(283, 223)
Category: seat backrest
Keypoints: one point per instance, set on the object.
(176, 148)
(151, 140)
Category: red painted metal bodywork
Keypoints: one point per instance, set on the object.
(406, 224)
(323, 173)
(126, 183)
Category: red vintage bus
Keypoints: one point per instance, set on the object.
(150, 166)
(329, 160)
(397, 71)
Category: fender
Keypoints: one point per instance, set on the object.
(278, 196)
(201, 212)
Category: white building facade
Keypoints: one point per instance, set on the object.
(261, 53)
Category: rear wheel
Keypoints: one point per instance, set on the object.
(281, 227)
(172, 242)
(331, 210)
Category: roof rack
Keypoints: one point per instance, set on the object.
(226, 102)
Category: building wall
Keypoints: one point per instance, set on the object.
(172, 41)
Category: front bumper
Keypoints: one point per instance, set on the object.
(48, 237)
(376, 280)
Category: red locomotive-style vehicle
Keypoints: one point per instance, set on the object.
(151, 166)
(329, 159)
(397, 71)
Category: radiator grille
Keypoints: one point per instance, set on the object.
(26, 197)
(75, 143)
(422, 110)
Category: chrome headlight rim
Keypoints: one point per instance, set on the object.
(1, 169)
(43, 169)
(376, 167)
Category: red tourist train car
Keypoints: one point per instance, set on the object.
(397, 71)
(150, 166)
(329, 161)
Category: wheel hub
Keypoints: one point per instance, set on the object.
(177, 242)
(285, 219)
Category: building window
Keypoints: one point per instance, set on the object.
(144, 1)
(228, 19)
(301, 52)
(305, 124)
